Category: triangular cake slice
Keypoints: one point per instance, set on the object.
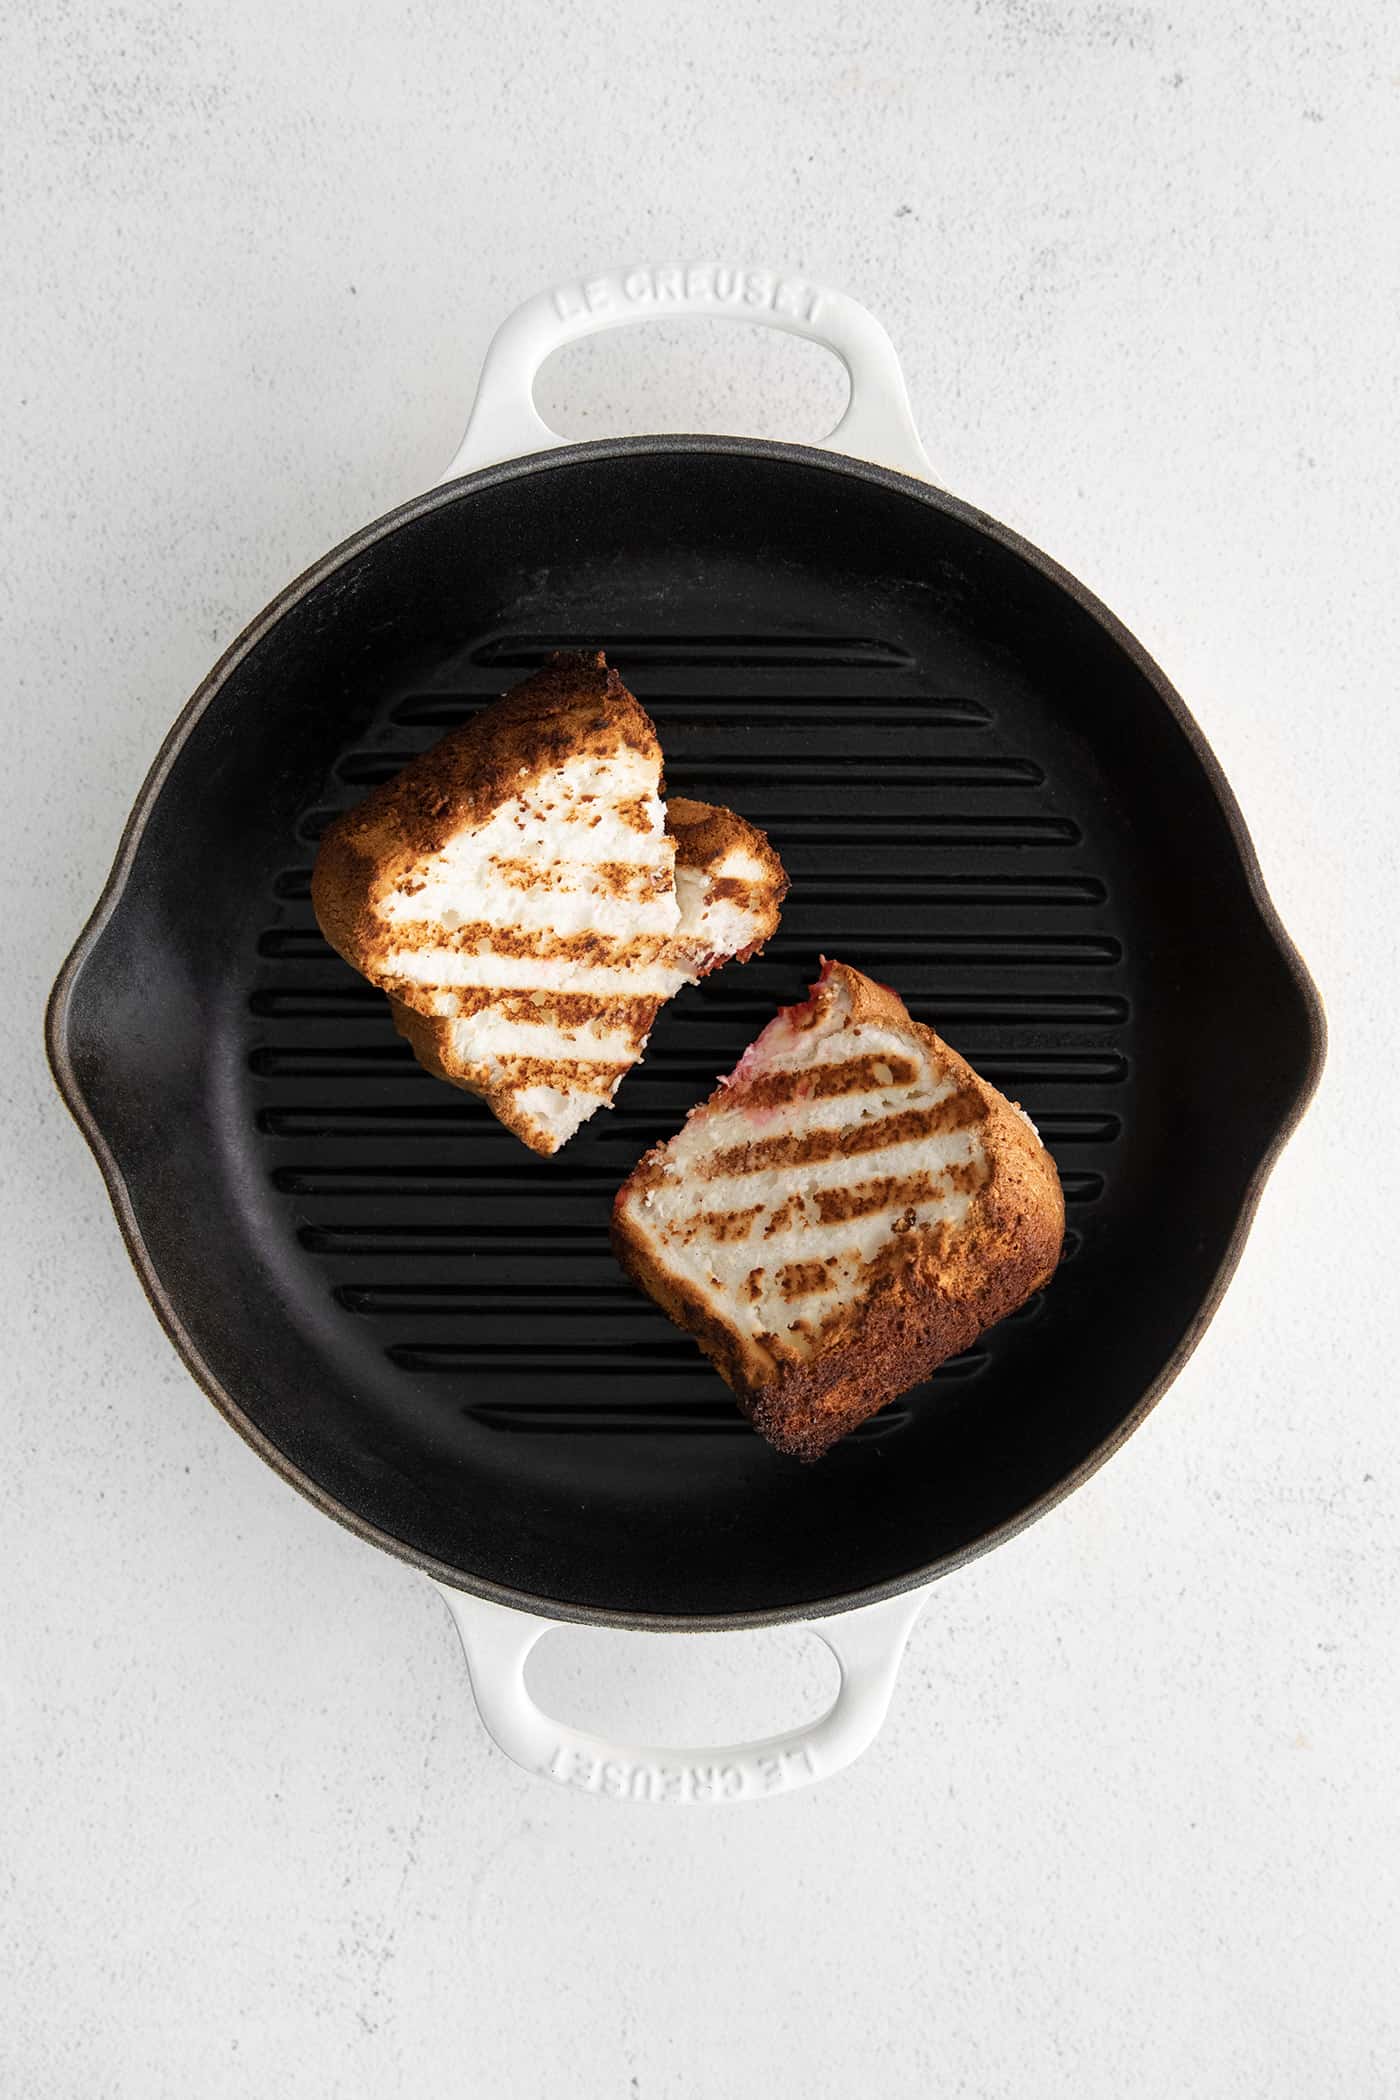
(545, 1061)
(525, 851)
(518, 882)
(851, 1207)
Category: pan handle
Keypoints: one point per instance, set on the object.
(868, 1644)
(505, 424)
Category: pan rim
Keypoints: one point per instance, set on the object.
(263, 623)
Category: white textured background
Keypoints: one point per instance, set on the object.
(1132, 1829)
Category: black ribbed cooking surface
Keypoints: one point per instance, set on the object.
(983, 797)
(921, 845)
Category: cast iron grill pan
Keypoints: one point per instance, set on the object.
(982, 798)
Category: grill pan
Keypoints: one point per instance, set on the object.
(985, 794)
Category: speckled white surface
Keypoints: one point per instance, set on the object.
(1132, 1828)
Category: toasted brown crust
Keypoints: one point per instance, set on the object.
(931, 1295)
(706, 834)
(573, 706)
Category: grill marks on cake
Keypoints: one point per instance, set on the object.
(571, 1013)
(865, 1199)
(738, 890)
(897, 1196)
(571, 1008)
(808, 1148)
(855, 1075)
(591, 950)
(818, 1234)
(537, 943)
(627, 880)
(803, 1279)
(512, 1074)
(724, 1225)
(537, 1015)
(540, 1036)
(637, 814)
(783, 1218)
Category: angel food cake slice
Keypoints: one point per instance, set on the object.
(518, 881)
(852, 1206)
(729, 887)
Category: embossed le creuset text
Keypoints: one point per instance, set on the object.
(693, 285)
(755, 1776)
